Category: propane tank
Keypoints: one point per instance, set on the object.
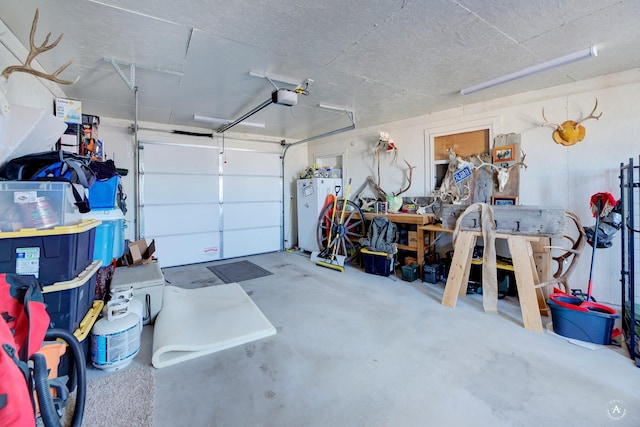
(125, 293)
(115, 339)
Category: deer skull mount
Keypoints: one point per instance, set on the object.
(570, 132)
(502, 173)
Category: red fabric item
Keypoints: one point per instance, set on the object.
(22, 330)
(607, 202)
(17, 410)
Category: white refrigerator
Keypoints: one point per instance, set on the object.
(311, 197)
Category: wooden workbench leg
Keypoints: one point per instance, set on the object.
(542, 302)
(420, 250)
(524, 269)
(542, 266)
(460, 267)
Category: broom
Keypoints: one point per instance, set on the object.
(331, 263)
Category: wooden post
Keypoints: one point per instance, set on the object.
(460, 267)
(526, 279)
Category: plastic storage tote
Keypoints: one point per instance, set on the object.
(36, 204)
(109, 235)
(68, 302)
(53, 255)
(147, 281)
(82, 335)
(379, 263)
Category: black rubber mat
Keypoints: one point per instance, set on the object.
(238, 271)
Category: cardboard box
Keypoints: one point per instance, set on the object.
(69, 110)
(413, 239)
(139, 252)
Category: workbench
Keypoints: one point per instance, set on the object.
(407, 218)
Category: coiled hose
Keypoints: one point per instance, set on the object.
(40, 377)
(77, 364)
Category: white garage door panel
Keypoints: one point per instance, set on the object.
(247, 242)
(187, 248)
(242, 215)
(178, 189)
(252, 163)
(251, 189)
(166, 158)
(170, 219)
(185, 210)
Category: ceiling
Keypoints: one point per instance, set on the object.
(384, 60)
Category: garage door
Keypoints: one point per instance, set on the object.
(252, 195)
(199, 209)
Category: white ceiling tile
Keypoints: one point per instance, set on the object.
(383, 60)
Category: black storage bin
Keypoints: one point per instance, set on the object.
(430, 273)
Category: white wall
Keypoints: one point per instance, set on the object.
(556, 175)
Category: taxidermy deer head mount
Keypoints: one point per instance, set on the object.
(570, 132)
(27, 68)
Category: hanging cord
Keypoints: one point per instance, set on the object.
(633, 230)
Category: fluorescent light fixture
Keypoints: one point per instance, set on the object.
(217, 121)
(332, 107)
(273, 78)
(563, 60)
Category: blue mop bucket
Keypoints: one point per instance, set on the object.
(586, 321)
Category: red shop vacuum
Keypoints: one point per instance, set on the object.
(583, 318)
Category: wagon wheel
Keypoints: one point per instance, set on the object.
(344, 237)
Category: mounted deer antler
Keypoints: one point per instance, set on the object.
(502, 172)
(35, 51)
(411, 168)
(382, 193)
(570, 132)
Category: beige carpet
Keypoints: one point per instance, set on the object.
(121, 399)
(197, 322)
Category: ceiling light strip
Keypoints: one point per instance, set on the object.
(333, 107)
(534, 69)
(247, 115)
(278, 79)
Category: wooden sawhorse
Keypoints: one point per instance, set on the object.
(531, 298)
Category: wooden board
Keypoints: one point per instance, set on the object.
(464, 144)
(526, 220)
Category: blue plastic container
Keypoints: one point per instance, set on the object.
(102, 194)
(591, 326)
(110, 235)
(379, 263)
(69, 301)
(103, 249)
(52, 255)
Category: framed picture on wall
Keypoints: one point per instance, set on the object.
(504, 200)
(504, 154)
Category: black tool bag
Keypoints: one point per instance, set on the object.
(54, 166)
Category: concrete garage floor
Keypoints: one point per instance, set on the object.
(354, 349)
